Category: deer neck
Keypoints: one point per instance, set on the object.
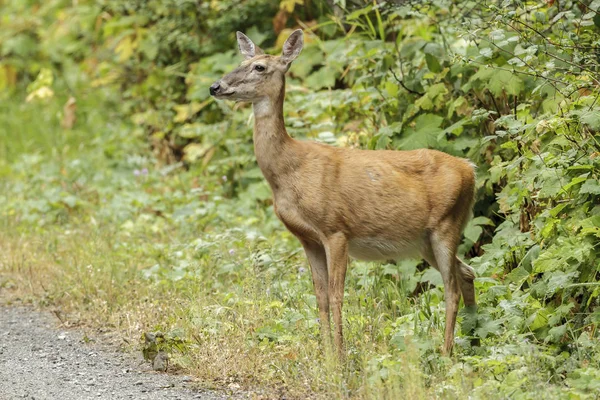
(272, 143)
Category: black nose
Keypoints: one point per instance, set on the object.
(214, 88)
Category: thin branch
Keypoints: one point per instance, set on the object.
(403, 85)
(523, 61)
(574, 65)
(546, 39)
(494, 101)
(514, 71)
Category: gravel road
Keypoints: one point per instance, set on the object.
(38, 360)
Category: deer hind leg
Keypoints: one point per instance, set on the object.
(315, 252)
(443, 246)
(467, 276)
(337, 263)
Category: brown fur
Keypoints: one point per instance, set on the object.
(369, 204)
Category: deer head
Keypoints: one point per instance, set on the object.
(260, 76)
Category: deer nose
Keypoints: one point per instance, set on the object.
(214, 88)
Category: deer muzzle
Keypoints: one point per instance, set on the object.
(214, 88)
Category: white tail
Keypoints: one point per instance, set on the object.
(373, 205)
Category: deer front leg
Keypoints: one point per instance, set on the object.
(337, 263)
(315, 252)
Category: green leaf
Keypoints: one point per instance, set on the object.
(487, 327)
(591, 186)
(358, 13)
(432, 276)
(70, 200)
(486, 52)
(311, 57)
(549, 260)
(434, 49)
(149, 46)
(591, 118)
(498, 81)
(574, 181)
(323, 78)
(539, 319)
(259, 191)
(433, 63)
(556, 333)
(518, 276)
(472, 232)
(455, 127)
(591, 222)
(391, 88)
(469, 320)
(551, 185)
(424, 133)
(555, 212)
(258, 36)
(482, 221)
(558, 280)
(505, 81)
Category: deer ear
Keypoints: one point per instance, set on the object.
(247, 47)
(292, 46)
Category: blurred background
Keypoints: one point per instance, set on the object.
(131, 200)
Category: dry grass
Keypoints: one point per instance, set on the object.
(74, 273)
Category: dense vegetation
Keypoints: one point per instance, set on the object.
(131, 201)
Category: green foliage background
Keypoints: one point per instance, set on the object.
(152, 195)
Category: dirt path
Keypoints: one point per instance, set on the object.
(40, 361)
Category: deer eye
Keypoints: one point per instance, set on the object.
(259, 68)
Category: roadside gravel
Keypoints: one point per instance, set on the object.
(38, 360)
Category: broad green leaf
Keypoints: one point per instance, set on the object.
(559, 280)
(259, 191)
(590, 118)
(505, 81)
(323, 78)
(289, 5)
(549, 260)
(472, 232)
(574, 181)
(432, 276)
(424, 133)
(591, 186)
(149, 46)
(486, 52)
(358, 13)
(518, 276)
(551, 185)
(433, 63)
(469, 317)
(311, 57)
(195, 151)
(556, 333)
(555, 212)
(125, 48)
(485, 328)
(539, 319)
(482, 221)
(185, 111)
(391, 88)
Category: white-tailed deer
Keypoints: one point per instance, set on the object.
(369, 204)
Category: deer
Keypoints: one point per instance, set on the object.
(345, 202)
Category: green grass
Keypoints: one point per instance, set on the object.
(82, 231)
